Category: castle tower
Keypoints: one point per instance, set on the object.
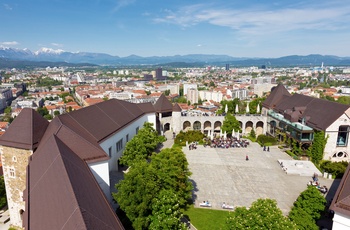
(16, 145)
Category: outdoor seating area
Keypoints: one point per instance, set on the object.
(231, 142)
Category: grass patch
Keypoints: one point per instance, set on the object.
(206, 218)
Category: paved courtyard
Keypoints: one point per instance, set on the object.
(224, 175)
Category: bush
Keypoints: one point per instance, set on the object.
(189, 136)
(266, 140)
(337, 169)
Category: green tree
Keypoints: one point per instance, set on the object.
(312, 202)
(318, 146)
(252, 133)
(141, 146)
(263, 214)
(56, 113)
(167, 92)
(230, 123)
(3, 199)
(344, 100)
(302, 219)
(166, 213)
(164, 178)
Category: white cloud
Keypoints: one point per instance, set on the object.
(57, 44)
(7, 7)
(122, 3)
(13, 43)
(259, 20)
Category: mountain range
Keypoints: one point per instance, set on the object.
(81, 58)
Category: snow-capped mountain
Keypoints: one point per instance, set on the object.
(52, 55)
(48, 51)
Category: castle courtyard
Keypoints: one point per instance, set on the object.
(223, 175)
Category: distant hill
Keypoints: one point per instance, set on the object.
(23, 64)
(50, 55)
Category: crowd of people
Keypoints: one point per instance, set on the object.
(230, 142)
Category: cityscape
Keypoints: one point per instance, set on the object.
(280, 102)
(183, 115)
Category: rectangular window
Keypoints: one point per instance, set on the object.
(12, 172)
(343, 134)
(110, 152)
(119, 145)
(127, 138)
(137, 130)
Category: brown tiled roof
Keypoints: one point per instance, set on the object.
(104, 119)
(146, 107)
(163, 105)
(177, 108)
(341, 200)
(25, 131)
(278, 93)
(76, 138)
(319, 113)
(62, 192)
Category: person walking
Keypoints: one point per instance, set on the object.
(246, 158)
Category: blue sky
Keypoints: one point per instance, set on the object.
(251, 28)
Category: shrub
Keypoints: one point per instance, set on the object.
(189, 136)
(337, 169)
(266, 140)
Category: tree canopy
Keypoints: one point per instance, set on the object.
(141, 146)
(153, 192)
(307, 209)
(263, 214)
(230, 123)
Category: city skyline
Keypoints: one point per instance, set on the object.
(156, 28)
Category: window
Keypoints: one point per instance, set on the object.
(137, 130)
(127, 138)
(119, 145)
(12, 172)
(343, 134)
(110, 152)
(14, 159)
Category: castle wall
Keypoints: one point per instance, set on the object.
(15, 162)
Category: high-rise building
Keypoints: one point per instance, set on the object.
(159, 75)
(227, 67)
(192, 95)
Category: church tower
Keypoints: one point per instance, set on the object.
(17, 144)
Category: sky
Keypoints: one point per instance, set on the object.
(250, 28)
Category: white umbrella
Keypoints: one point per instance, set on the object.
(238, 136)
(220, 133)
(236, 110)
(258, 109)
(226, 108)
(211, 134)
(225, 135)
(233, 133)
(247, 109)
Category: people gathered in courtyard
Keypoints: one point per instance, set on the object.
(230, 142)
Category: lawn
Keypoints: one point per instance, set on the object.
(206, 218)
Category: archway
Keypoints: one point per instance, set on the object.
(207, 127)
(186, 126)
(197, 125)
(217, 127)
(248, 127)
(259, 128)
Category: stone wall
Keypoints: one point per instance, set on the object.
(15, 162)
